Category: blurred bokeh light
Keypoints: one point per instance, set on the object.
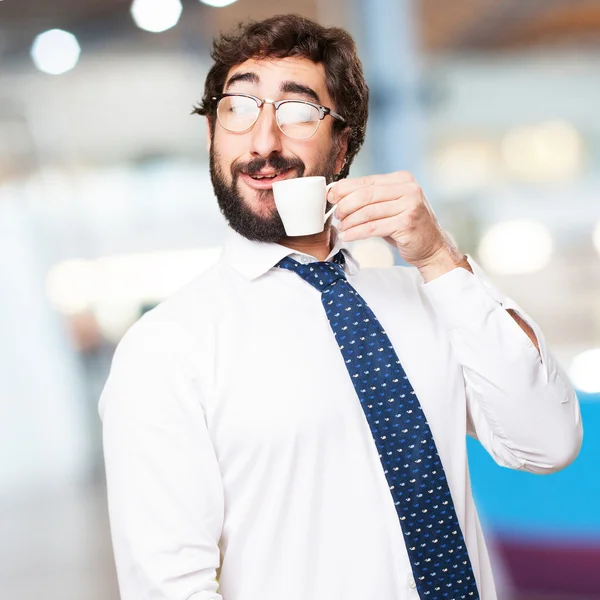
(516, 247)
(551, 151)
(218, 3)
(156, 15)
(585, 371)
(55, 51)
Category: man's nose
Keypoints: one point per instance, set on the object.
(265, 135)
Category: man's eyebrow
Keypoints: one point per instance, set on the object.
(250, 77)
(291, 87)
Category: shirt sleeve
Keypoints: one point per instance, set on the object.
(520, 403)
(165, 496)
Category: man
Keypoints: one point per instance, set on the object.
(272, 436)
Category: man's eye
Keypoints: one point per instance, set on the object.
(241, 110)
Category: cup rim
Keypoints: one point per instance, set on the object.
(299, 179)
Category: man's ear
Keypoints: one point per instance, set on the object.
(342, 149)
(208, 135)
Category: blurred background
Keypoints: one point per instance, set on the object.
(106, 208)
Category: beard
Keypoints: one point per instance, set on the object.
(240, 216)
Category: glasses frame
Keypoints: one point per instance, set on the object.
(260, 102)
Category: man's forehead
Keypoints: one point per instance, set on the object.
(274, 70)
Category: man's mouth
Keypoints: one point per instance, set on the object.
(265, 180)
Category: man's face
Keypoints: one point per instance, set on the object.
(239, 162)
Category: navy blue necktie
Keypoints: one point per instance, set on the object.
(409, 457)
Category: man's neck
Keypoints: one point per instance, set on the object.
(317, 245)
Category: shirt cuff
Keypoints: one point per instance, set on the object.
(460, 297)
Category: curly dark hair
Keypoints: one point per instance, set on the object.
(285, 36)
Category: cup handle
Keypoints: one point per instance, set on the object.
(331, 210)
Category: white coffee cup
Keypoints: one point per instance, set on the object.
(301, 204)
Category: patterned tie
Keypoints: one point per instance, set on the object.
(411, 464)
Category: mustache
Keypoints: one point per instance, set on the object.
(277, 162)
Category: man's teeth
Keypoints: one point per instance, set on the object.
(264, 176)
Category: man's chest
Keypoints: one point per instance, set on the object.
(279, 377)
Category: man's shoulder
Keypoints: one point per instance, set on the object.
(186, 314)
(192, 299)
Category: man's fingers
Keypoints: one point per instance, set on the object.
(380, 228)
(371, 212)
(365, 196)
(346, 186)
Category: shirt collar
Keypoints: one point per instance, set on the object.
(253, 259)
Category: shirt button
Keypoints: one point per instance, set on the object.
(412, 583)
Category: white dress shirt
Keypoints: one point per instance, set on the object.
(237, 450)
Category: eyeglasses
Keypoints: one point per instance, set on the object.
(297, 119)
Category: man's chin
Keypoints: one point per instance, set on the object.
(257, 218)
(260, 202)
(260, 230)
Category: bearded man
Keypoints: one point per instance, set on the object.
(290, 426)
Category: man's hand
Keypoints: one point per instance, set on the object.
(395, 208)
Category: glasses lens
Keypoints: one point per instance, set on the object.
(237, 113)
(298, 119)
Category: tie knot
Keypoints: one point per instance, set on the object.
(321, 275)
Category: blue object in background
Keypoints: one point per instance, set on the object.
(561, 505)
(546, 527)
